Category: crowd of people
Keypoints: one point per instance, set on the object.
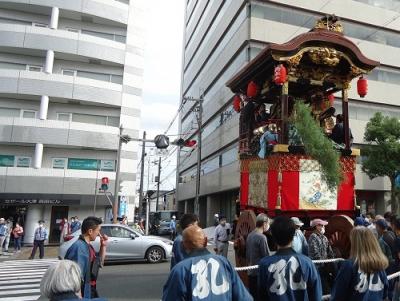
(9, 231)
(285, 270)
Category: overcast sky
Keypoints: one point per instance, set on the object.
(162, 77)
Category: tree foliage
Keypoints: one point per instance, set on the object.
(317, 145)
(382, 154)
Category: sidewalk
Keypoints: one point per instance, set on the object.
(49, 252)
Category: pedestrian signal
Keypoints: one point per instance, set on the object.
(104, 183)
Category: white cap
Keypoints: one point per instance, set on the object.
(216, 215)
(174, 217)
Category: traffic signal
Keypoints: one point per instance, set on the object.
(185, 143)
(161, 141)
(190, 143)
(104, 183)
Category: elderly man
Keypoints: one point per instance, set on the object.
(299, 245)
(320, 248)
(256, 249)
(221, 237)
(202, 275)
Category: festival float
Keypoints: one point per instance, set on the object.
(289, 163)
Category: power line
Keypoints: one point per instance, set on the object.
(379, 29)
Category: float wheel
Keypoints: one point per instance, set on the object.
(338, 233)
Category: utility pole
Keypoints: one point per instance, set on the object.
(198, 173)
(158, 182)
(142, 175)
(199, 116)
(116, 190)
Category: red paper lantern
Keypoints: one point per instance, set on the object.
(331, 99)
(362, 86)
(236, 103)
(280, 74)
(252, 89)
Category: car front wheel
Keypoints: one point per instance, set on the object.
(154, 254)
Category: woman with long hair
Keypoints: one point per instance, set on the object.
(363, 276)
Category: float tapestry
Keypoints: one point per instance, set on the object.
(258, 183)
(314, 192)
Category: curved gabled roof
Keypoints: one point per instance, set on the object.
(267, 58)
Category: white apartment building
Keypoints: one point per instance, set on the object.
(70, 75)
(223, 36)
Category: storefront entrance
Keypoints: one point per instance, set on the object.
(17, 213)
(57, 215)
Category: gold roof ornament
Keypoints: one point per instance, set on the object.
(330, 23)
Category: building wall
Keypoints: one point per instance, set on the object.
(222, 36)
(94, 85)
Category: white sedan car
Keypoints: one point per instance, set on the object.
(126, 244)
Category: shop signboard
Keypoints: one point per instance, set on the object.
(23, 161)
(7, 161)
(122, 206)
(38, 202)
(83, 164)
(107, 165)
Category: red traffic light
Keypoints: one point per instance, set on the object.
(190, 143)
(105, 180)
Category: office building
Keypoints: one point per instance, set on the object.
(70, 75)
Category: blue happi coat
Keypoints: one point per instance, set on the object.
(288, 276)
(178, 253)
(206, 277)
(353, 284)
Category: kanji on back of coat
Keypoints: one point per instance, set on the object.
(202, 275)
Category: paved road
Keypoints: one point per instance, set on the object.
(20, 279)
(133, 281)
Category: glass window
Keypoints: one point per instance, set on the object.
(189, 175)
(39, 24)
(93, 75)
(6, 112)
(86, 118)
(12, 66)
(72, 29)
(7, 160)
(11, 21)
(113, 121)
(34, 68)
(119, 38)
(68, 72)
(212, 126)
(28, 114)
(210, 165)
(120, 232)
(307, 20)
(105, 230)
(64, 116)
(229, 156)
(59, 163)
(23, 161)
(117, 79)
(98, 34)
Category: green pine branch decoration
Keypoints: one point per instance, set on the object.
(317, 145)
